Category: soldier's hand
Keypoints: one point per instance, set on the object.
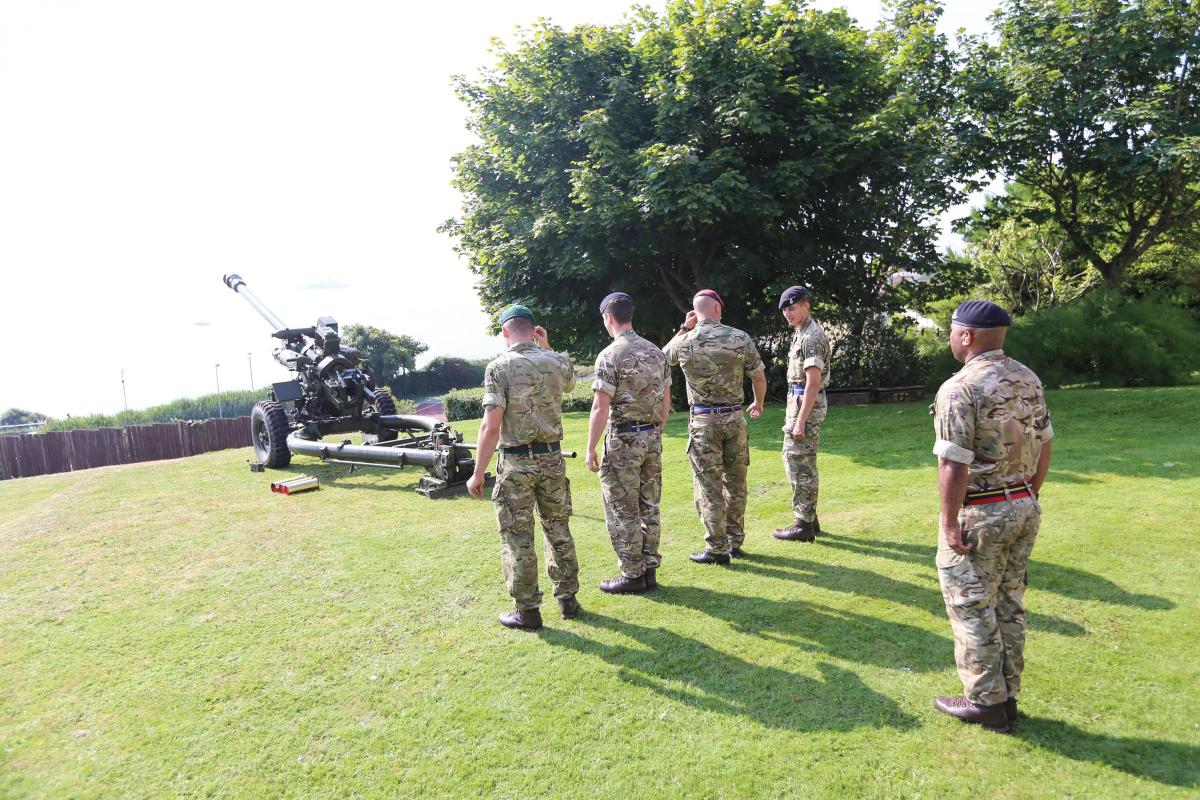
(954, 540)
(690, 320)
(756, 410)
(541, 337)
(475, 486)
(593, 461)
(798, 431)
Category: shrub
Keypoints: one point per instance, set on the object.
(228, 404)
(875, 352)
(463, 404)
(1106, 339)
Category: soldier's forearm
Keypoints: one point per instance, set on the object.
(952, 485)
(759, 382)
(599, 418)
(485, 447)
(1043, 468)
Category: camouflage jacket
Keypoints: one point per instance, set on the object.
(810, 348)
(528, 383)
(634, 373)
(992, 415)
(715, 359)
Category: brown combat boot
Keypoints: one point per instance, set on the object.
(624, 585)
(529, 619)
(801, 531)
(569, 606)
(992, 718)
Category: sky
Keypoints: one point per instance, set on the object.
(148, 148)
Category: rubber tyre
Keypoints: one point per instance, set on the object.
(382, 404)
(269, 430)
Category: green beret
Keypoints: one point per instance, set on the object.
(515, 311)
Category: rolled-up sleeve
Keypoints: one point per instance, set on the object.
(606, 376)
(753, 361)
(494, 387)
(568, 375)
(954, 426)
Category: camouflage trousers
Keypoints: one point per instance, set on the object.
(720, 454)
(523, 482)
(800, 457)
(983, 592)
(631, 482)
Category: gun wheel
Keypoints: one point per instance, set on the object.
(382, 404)
(269, 431)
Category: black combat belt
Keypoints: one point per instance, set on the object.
(537, 449)
(715, 409)
(1014, 491)
(635, 427)
(797, 389)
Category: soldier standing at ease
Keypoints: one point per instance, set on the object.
(993, 446)
(632, 391)
(522, 403)
(807, 376)
(714, 359)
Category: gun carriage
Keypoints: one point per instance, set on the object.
(333, 393)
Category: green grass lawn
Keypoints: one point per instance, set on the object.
(173, 629)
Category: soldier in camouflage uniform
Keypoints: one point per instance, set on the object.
(522, 401)
(632, 398)
(993, 446)
(807, 375)
(714, 359)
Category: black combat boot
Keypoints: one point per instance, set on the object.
(709, 557)
(570, 607)
(800, 532)
(992, 718)
(737, 552)
(624, 585)
(816, 525)
(651, 579)
(529, 619)
(1010, 711)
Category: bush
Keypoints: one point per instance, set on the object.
(875, 352)
(229, 404)
(1106, 339)
(439, 375)
(468, 403)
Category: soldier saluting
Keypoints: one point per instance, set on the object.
(714, 359)
(522, 402)
(993, 446)
(633, 398)
(807, 375)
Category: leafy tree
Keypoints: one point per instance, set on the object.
(19, 416)
(1095, 105)
(386, 354)
(725, 144)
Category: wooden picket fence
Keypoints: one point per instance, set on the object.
(24, 455)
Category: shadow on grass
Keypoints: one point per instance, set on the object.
(1076, 584)
(1171, 763)
(688, 671)
(818, 629)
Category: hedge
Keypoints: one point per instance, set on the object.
(463, 404)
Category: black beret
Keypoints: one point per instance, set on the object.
(794, 294)
(612, 298)
(981, 314)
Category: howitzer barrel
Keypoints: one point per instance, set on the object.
(238, 284)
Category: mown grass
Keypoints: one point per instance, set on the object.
(174, 629)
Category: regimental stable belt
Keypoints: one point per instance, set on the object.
(1014, 491)
(635, 427)
(715, 409)
(536, 449)
(797, 389)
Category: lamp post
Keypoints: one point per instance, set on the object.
(124, 396)
(220, 405)
(250, 361)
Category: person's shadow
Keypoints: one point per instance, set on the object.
(1171, 763)
(688, 671)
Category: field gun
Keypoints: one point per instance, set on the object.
(333, 393)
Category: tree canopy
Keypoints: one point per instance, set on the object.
(1095, 105)
(386, 354)
(726, 144)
